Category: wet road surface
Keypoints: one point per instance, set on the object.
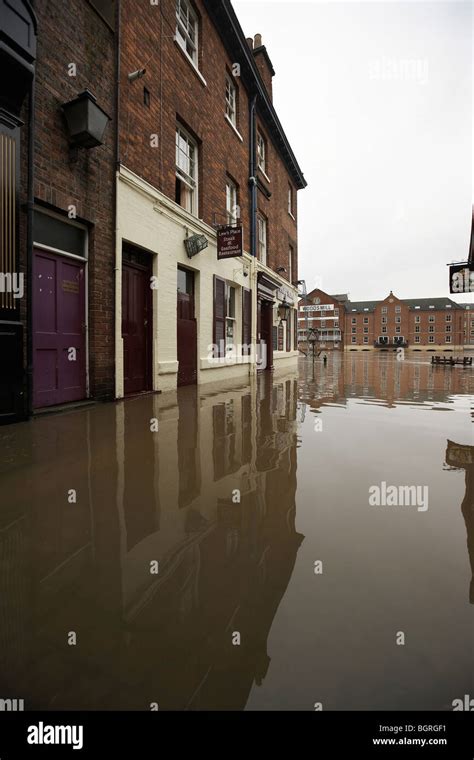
(216, 548)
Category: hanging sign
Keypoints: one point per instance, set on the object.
(229, 242)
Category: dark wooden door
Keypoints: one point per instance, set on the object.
(136, 328)
(265, 325)
(186, 329)
(59, 329)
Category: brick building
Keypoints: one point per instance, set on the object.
(429, 324)
(200, 146)
(57, 203)
(122, 136)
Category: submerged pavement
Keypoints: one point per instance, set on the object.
(302, 543)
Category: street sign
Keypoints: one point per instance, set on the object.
(229, 242)
(319, 307)
(461, 278)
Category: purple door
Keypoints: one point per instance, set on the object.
(59, 337)
(136, 328)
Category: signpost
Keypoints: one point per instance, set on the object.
(229, 242)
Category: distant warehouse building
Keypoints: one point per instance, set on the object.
(420, 324)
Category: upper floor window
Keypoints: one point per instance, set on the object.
(398, 309)
(186, 171)
(384, 309)
(231, 100)
(232, 208)
(366, 320)
(187, 29)
(431, 318)
(262, 238)
(384, 320)
(354, 320)
(336, 312)
(290, 263)
(417, 318)
(398, 319)
(261, 152)
(448, 317)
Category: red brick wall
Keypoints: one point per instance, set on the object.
(177, 92)
(73, 32)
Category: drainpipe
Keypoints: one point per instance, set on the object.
(29, 251)
(116, 181)
(253, 179)
(253, 227)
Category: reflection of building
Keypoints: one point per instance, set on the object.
(381, 379)
(461, 457)
(170, 496)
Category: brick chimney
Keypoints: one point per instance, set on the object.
(264, 64)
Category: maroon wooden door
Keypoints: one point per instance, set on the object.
(59, 334)
(186, 329)
(265, 326)
(136, 328)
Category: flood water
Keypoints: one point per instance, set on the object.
(231, 558)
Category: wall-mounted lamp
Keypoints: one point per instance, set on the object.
(284, 310)
(136, 75)
(86, 121)
(280, 269)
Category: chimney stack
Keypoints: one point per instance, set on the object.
(264, 64)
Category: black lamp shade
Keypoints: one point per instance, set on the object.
(283, 310)
(86, 121)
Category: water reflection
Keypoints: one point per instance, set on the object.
(379, 378)
(91, 499)
(461, 457)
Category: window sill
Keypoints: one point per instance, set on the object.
(191, 62)
(264, 174)
(230, 123)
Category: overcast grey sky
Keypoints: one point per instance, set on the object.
(376, 100)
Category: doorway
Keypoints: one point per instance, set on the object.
(59, 329)
(136, 321)
(186, 328)
(265, 333)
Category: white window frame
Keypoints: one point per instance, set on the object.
(448, 338)
(230, 100)
(430, 338)
(354, 321)
(231, 205)
(384, 309)
(354, 339)
(398, 309)
(417, 338)
(431, 318)
(448, 317)
(366, 338)
(417, 319)
(187, 26)
(261, 152)
(191, 180)
(262, 239)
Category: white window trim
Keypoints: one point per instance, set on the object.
(191, 62)
(232, 218)
(195, 189)
(233, 127)
(261, 218)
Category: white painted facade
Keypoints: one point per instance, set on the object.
(148, 219)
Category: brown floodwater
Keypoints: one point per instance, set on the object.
(217, 548)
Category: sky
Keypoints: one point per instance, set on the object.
(376, 101)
